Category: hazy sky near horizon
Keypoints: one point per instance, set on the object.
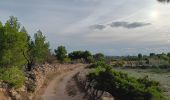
(113, 27)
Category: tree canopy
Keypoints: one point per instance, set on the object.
(61, 53)
(85, 55)
(17, 47)
(13, 42)
(98, 56)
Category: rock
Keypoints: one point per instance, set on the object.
(107, 96)
(30, 97)
(22, 89)
(18, 97)
(4, 85)
(14, 95)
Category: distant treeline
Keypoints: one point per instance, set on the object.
(77, 56)
(144, 61)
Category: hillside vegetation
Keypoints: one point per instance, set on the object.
(122, 86)
(19, 55)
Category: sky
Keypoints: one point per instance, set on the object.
(113, 27)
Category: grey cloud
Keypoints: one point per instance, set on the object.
(97, 26)
(123, 24)
(128, 24)
(164, 1)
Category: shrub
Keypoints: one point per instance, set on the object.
(98, 64)
(123, 87)
(90, 59)
(86, 56)
(119, 64)
(67, 60)
(165, 66)
(12, 76)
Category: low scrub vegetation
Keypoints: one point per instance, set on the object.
(122, 86)
(13, 76)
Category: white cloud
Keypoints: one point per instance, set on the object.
(67, 22)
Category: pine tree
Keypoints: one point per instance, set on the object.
(61, 53)
(12, 42)
(37, 51)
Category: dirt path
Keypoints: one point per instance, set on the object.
(63, 87)
(3, 96)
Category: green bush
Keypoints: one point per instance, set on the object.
(123, 87)
(90, 59)
(119, 64)
(13, 76)
(164, 66)
(98, 64)
(67, 60)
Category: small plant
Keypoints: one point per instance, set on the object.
(67, 60)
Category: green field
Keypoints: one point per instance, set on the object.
(163, 76)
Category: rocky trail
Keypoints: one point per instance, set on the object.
(3, 96)
(63, 87)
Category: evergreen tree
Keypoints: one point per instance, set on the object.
(99, 57)
(140, 56)
(61, 53)
(12, 42)
(37, 51)
(41, 47)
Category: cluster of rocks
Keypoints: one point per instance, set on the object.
(10, 93)
(34, 80)
(81, 80)
(3, 91)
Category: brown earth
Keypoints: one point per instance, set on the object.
(62, 87)
(3, 96)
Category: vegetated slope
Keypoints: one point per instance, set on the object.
(160, 75)
(122, 86)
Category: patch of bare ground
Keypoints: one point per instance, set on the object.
(3, 96)
(76, 91)
(61, 86)
(71, 88)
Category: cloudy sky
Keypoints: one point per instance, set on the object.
(114, 27)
